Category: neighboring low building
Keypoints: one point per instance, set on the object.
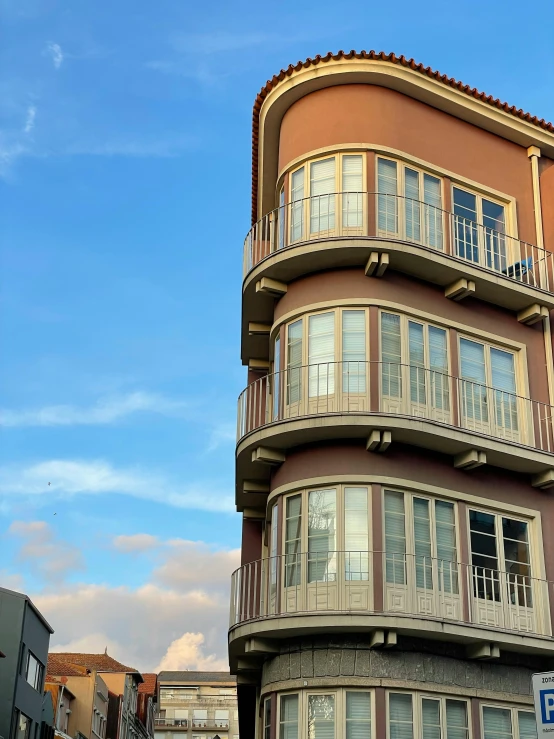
(122, 683)
(80, 698)
(24, 640)
(197, 705)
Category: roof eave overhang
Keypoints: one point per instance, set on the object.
(427, 89)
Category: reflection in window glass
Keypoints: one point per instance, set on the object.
(321, 717)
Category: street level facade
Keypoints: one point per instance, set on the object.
(395, 450)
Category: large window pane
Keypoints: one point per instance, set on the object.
(352, 198)
(527, 725)
(412, 204)
(276, 377)
(416, 349)
(497, 723)
(321, 717)
(473, 372)
(322, 516)
(517, 562)
(503, 377)
(456, 720)
(494, 229)
(356, 534)
(322, 195)
(321, 354)
(267, 718)
(465, 225)
(445, 531)
(391, 355)
(422, 541)
(395, 538)
(358, 715)
(484, 555)
(288, 718)
(294, 362)
(400, 716)
(354, 351)
(387, 205)
(431, 212)
(297, 205)
(431, 718)
(438, 364)
(293, 540)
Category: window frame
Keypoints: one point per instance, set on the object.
(514, 711)
(39, 672)
(409, 519)
(338, 335)
(339, 515)
(401, 220)
(339, 694)
(306, 233)
(417, 713)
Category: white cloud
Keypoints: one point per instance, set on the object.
(49, 556)
(209, 566)
(185, 653)
(61, 478)
(30, 119)
(55, 51)
(105, 411)
(135, 542)
(170, 621)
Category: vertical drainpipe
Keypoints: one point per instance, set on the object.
(533, 152)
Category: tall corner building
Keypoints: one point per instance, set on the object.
(395, 455)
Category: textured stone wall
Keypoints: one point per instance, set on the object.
(343, 659)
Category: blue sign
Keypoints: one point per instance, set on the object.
(546, 698)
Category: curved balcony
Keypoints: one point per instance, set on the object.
(299, 593)
(333, 400)
(343, 229)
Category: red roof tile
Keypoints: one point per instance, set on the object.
(149, 684)
(99, 662)
(374, 56)
(60, 666)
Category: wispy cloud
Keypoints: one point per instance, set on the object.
(106, 411)
(68, 478)
(30, 119)
(51, 557)
(55, 51)
(222, 433)
(128, 543)
(166, 146)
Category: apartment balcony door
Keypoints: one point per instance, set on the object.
(501, 583)
(421, 570)
(489, 403)
(479, 227)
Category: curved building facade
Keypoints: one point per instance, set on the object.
(395, 452)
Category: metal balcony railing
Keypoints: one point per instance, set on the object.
(370, 215)
(397, 390)
(182, 722)
(391, 583)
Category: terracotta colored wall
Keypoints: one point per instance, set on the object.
(547, 201)
(376, 115)
(421, 466)
(397, 288)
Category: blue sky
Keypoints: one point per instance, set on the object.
(125, 161)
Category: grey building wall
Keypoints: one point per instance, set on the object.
(22, 629)
(342, 661)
